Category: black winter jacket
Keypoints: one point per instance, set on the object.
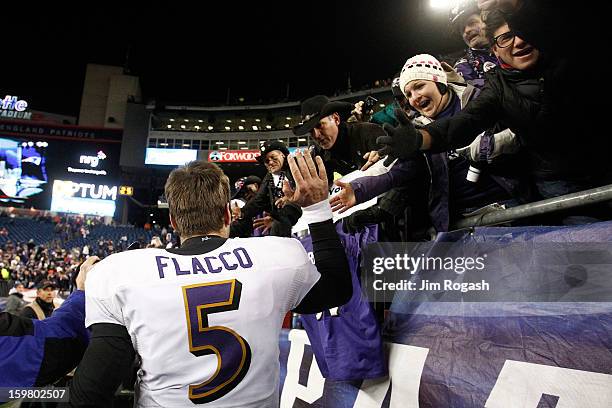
(284, 218)
(354, 140)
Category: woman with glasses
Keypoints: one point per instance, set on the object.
(539, 94)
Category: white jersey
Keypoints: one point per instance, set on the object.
(206, 326)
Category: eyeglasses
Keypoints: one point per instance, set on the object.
(504, 40)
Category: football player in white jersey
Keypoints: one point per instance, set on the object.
(204, 319)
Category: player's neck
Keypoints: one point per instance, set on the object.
(222, 233)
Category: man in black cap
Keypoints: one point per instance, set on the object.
(42, 306)
(349, 146)
(279, 216)
(344, 146)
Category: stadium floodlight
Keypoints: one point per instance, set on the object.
(240, 127)
(24, 144)
(197, 127)
(210, 128)
(171, 120)
(229, 121)
(31, 144)
(223, 148)
(241, 142)
(227, 128)
(242, 120)
(301, 139)
(257, 120)
(244, 148)
(286, 125)
(182, 126)
(268, 127)
(200, 120)
(441, 4)
(219, 143)
(288, 118)
(169, 126)
(186, 120)
(255, 127)
(163, 144)
(382, 105)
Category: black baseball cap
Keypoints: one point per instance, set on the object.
(46, 284)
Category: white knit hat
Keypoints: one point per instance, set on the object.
(422, 66)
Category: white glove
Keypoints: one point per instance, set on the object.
(504, 142)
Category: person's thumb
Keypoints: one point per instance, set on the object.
(342, 184)
(402, 117)
(389, 130)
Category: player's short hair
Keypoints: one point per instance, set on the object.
(197, 195)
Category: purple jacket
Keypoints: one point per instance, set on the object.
(348, 345)
(473, 65)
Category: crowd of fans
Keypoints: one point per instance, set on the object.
(461, 136)
(57, 261)
(488, 130)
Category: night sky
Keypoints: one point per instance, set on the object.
(189, 54)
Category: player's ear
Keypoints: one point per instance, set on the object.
(227, 217)
(172, 222)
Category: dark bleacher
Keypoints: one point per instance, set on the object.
(107, 232)
(23, 229)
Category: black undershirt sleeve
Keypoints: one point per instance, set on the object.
(334, 288)
(107, 361)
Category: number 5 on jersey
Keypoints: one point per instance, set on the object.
(233, 352)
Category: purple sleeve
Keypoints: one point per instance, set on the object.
(464, 69)
(368, 187)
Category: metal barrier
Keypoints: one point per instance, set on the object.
(564, 202)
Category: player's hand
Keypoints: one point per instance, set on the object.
(371, 157)
(345, 199)
(83, 270)
(310, 180)
(266, 222)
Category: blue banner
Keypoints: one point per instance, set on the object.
(468, 354)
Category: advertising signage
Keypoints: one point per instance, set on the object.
(233, 156)
(29, 167)
(11, 107)
(169, 157)
(83, 198)
(23, 129)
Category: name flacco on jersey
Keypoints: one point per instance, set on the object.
(228, 261)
